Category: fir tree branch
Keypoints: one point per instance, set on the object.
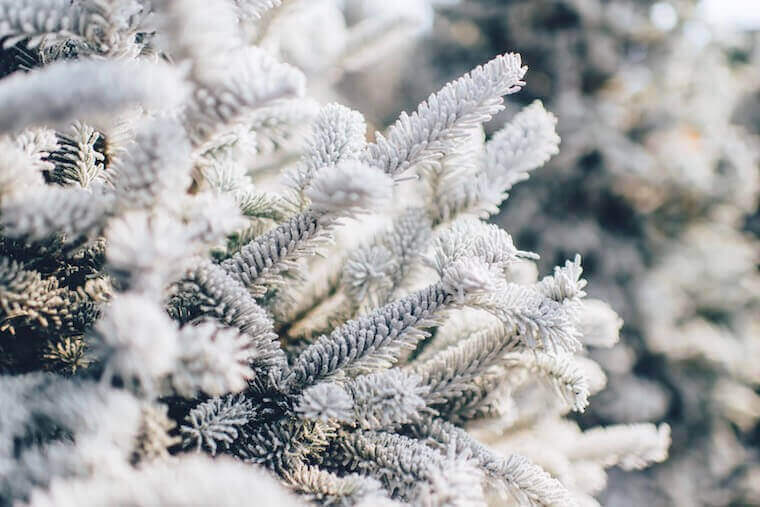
(251, 79)
(405, 466)
(330, 489)
(376, 401)
(373, 272)
(528, 483)
(337, 134)
(452, 375)
(91, 90)
(216, 423)
(369, 342)
(77, 160)
(209, 289)
(75, 213)
(440, 123)
(108, 26)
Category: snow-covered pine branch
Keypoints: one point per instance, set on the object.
(89, 90)
(441, 122)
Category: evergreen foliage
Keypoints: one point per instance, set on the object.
(159, 286)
